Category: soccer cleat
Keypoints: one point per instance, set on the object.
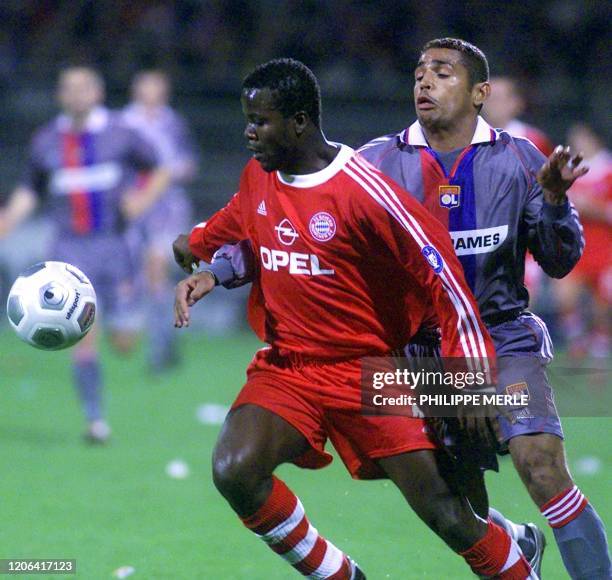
(98, 432)
(356, 571)
(537, 539)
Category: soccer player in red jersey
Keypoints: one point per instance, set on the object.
(349, 265)
(593, 273)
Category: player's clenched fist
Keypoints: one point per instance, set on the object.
(188, 292)
(183, 255)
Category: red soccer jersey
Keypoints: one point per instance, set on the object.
(592, 194)
(350, 264)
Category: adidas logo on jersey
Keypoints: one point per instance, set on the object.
(261, 208)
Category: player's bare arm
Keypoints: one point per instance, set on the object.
(137, 201)
(188, 292)
(183, 255)
(558, 174)
(20, 206)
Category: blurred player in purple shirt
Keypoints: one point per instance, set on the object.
(151, 235)
(82, 166)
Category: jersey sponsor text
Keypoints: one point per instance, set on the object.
(296, 262)
(479, 241)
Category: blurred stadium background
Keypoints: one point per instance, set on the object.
(116, 506)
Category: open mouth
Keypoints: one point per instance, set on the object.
(425, 103)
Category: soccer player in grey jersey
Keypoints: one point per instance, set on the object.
(151, 235)
(82, 165)
(501, 197)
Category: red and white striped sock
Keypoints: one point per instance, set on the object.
(282, 524)
(498, 555)
(565, 507)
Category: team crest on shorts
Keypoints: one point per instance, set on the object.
(450, 196)
(518, 389)
(322, 226)
(434, 258)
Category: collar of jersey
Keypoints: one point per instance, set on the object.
(96, 121)
(414, 135)
(319, 177)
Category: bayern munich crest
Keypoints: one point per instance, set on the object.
(322, 226)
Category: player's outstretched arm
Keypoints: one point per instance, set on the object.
(20, 206)
(558, 174)
(188, 292)
(135, 202)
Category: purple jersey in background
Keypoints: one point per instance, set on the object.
(169, 135)
(82, 175)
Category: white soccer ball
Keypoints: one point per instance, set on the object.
(51, 305)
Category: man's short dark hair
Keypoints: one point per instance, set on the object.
(292, 84)
(471, 56)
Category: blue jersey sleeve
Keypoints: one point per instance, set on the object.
(554, 232)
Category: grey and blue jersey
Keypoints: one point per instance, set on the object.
(488, 196)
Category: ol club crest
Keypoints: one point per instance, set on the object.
(450, 196)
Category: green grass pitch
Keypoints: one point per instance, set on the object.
(115, 506)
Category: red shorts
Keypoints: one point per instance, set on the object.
(323, 400)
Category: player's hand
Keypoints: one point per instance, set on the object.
(478, 424)
(558, 174)
(188, 292)
(182, 254)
